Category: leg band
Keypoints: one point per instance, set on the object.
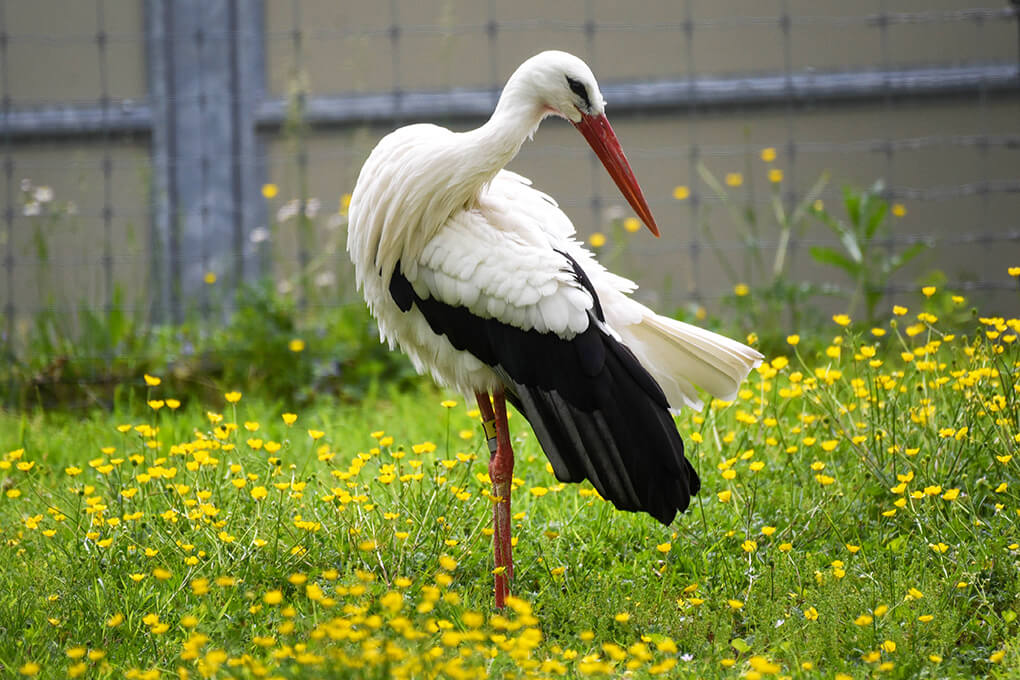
(489, 426)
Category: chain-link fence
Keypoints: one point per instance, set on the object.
(156, 155)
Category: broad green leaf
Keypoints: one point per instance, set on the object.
(829, 256)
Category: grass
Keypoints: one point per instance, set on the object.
(859, 515)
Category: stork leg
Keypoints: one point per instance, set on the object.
(501, 472)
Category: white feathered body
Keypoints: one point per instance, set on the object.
(484, 239)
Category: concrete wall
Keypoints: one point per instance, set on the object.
(945, 148)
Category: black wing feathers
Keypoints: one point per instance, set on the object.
(596, 411)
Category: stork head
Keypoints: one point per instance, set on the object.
(564, 86)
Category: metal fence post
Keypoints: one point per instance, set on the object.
(206, 74)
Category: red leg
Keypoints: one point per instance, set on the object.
(501, 471)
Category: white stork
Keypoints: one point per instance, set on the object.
(479, 279)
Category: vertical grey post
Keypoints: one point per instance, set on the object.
(693, 288)
(8, 189)
(206, 73)
(106, 261)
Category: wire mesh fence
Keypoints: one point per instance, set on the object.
(158, 155)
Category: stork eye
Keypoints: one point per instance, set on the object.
(578, 88)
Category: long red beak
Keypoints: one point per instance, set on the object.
(603, 141)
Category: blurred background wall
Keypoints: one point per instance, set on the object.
(156, 154)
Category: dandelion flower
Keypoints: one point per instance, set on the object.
(768, 154)
(682, 193)
(597, 240)
(632, 224)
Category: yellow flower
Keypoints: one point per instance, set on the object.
(209, 278)
(735, 604)
(928, 291)
(448, 403)
(792, 340)
(741, 289)
(1014, 271)
(811, 614)
(296, 345)
(161, 574)
(259, 492)
(345, 203)
(151, 380)
(768, 154)
(682, 193)
(622, 617)
(768, 531)
(538, 491)
(764, 666)
(597, 240)
(273, 597)
(898, 310)
(289, 418)
(863, 620)
(173, 404)
(734, 179)
(749, 546)
(632, 224)
(115, 620)
(270, 190)
(842, 319)
(785, 547)
(899, 210)
(724, 496)
(232, 397)
(775, 175)
(664, 547)
(30, 669)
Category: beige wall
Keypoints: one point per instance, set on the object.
(72, 273)
(53, 55)
(345, 47)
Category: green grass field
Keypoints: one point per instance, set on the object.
(859, 515)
